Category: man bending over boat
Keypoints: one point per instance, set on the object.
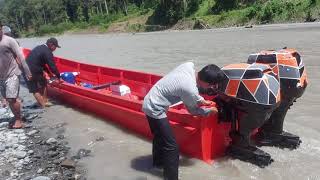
(11, 60)
(181, 84)
(38, 60)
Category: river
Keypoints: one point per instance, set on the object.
(125, 156)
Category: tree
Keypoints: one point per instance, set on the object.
(224, 5)
(72, 9)
(85, 10)
(168, 12)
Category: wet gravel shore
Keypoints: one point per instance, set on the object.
(33, 153)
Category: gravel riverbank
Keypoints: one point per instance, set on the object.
(36, 152)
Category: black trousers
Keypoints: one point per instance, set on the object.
(165, 149)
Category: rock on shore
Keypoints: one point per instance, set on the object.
(27, 154)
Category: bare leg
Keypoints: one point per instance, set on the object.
(44, 91)
(45, 94)
(15, 108)
(39, 99)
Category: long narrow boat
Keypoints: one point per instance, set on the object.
(199, 137)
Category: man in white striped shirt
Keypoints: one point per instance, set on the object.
(181, 84)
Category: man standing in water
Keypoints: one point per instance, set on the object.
(11, 57)
(39, 58)
(181, 84)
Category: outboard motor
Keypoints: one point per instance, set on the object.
(290, 69)
(248, 96)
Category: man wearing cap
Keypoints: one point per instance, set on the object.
(181, 84)
(6, 30)
(38, 60)
(12, 62)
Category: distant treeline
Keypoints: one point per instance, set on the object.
(32, 15)
(55, 16)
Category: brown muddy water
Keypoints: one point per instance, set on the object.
(124, 156)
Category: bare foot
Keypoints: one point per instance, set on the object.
(18, 125)
(48, 104)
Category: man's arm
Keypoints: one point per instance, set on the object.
(193, 100)
(20, 58)
(45, 69)
(51, 64)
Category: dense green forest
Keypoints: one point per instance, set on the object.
(39, 17)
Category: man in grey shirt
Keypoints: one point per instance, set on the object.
(181, 84)
(11, 60)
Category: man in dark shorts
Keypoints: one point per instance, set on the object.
(11, 63)
(38, 60)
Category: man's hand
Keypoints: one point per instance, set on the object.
(58, 80)
(55, 81)
(29, 78)
(214, 110)
(207, 103)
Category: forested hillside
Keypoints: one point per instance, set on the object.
(39, 17)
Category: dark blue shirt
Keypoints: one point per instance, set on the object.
(38, 58)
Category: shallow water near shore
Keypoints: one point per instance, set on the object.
(122, 155)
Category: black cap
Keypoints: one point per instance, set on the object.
(53, 41)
